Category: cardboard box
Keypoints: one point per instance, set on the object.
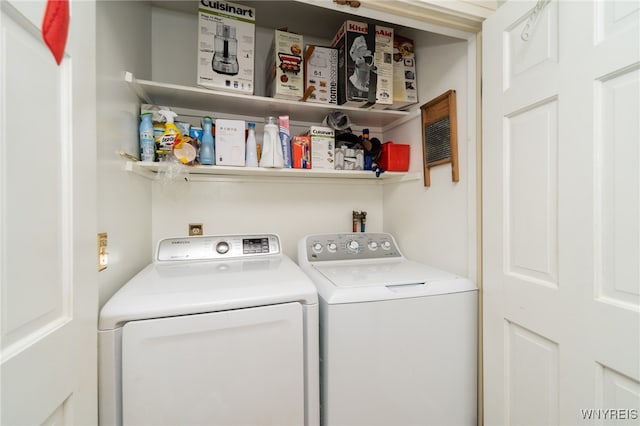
(405, 83)
(322, 147)
(285, 69)
(230, 142)
(356, 42)
(321, 74)
(301, 147)
(226, 46)
(384, 67)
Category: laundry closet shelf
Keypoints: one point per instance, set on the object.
(197, 173)
(174, 95)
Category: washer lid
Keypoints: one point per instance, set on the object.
(375, 280)
(183, 288)
(380, 273)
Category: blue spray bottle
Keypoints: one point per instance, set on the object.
(207, 151)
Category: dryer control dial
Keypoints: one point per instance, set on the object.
(317, 247)
(373, 245)
(386, 245)
(222, 247)
(332, 247)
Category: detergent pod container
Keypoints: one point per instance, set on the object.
(271, 147)
(168, 138)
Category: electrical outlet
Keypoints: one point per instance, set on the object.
(195, 229)
(103, 254)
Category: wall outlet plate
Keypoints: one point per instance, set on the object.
(195, 229)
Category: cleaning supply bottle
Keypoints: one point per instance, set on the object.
(207, 154)
(147, 142)
(168, 139)
(271, 147)
(251, 159)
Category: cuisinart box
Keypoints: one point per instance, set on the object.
(405, 89)
(384, 67)
(285, 75)
(226, 46)
(356, 43)
(321, 74)
(322, 147)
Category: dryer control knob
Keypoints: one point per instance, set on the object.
(317, 247)
(353, 245)
(386, 245)
(222, 247)
(373, 245)
(332, 247)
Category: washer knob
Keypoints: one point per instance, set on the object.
(386, 245)
(317, 247)
(332, 247)
(373, 245)
(353, 245)
(222, 247)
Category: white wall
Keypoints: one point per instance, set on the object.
(124, 199)
(432, 224)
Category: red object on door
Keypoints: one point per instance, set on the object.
(55, 27)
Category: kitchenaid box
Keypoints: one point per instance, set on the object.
(356, 42)
(384, 67)
(285, 74)
(405, 84)
(226, 46)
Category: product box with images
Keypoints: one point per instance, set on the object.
(321, 74)
(285, 67)
(384, 67)
(357, 79)
(226, 46)
(405, 84)
(322, 147)
(230, 142)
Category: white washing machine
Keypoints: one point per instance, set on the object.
(219, 330)
(398, 339)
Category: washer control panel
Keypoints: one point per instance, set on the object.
(350, 246)
(209, 247)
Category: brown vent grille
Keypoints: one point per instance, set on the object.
(440, 135)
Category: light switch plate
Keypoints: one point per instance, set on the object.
(103, 254)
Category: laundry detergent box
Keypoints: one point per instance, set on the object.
(384, 67)
(230, 142)
(226, 46)
(405, 84)
(322, 147)
(285, 67)
(321, 74)
(357, 78)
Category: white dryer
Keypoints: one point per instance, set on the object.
(398, 339)
(218, 330)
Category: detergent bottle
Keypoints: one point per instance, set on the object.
(171, 133)
(147, 144)
(271, 147)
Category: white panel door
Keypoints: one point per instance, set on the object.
(242, 367)
(561, 213)
(48, 299)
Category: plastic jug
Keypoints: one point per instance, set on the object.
(271, 147)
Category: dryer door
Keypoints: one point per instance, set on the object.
(238, 367)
